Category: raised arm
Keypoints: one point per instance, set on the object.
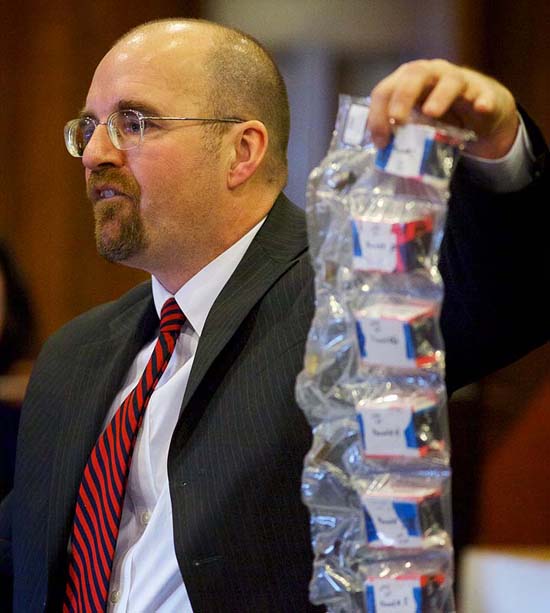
(494, 256)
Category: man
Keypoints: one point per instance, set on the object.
(212, 517)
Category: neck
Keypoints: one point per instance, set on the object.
(176, 261)
(177, 271)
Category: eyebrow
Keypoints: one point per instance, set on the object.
(126, 104)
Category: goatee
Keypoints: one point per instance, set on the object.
(126, 238)
(128, 241)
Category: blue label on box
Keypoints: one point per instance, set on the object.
(392, 523)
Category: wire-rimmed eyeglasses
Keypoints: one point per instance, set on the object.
(125, 129)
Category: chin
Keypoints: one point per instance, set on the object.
(120, 242)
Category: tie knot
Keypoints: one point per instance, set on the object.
(171, 317)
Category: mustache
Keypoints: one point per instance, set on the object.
(114, 179)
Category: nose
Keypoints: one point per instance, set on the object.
(100, 151)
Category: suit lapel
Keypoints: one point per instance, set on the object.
(280, 241)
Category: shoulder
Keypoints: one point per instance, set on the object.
(97, 322)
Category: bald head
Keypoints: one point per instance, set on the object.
(238, 78)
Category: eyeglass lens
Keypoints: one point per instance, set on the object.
(124, 129)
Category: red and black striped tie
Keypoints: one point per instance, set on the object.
(101, 494)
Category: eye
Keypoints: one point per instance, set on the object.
(86, 127)
(129, 123)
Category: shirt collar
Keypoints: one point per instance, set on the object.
(196, 297)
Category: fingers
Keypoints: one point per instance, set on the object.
(440, 90)
(379, 117)
(445, 92)
(396, 96)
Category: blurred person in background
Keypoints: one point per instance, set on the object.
(16, 343)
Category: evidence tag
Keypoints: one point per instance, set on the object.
(387, 246)
(400, 516)
(355, 127)
(400, 335)
(396, 595)
(416, 152)
(392, 428)
(406, 593)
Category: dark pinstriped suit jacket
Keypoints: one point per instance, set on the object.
(240, 529)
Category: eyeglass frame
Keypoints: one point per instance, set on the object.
(141, 117)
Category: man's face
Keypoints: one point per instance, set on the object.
(157, 200)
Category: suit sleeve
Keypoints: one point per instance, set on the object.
(494, 263)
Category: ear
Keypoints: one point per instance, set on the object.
(249, 146)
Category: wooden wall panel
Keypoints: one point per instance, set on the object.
(48, 51)
(509, 39)
(514, 504)
(503, 477)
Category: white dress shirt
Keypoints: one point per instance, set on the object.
(510, 173)
(146, 577)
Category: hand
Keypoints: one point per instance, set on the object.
(456, 95)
